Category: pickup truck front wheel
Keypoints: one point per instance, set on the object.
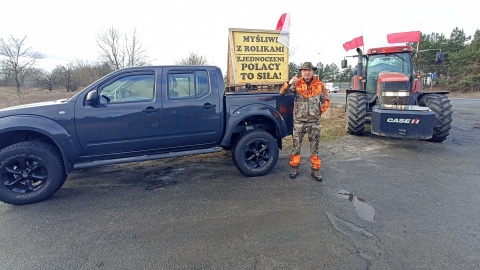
(255, 153)
(30, 172)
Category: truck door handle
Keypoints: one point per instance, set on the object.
(150, 110)
(208, 106)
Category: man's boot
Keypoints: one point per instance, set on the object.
(316, 175)
(294, 172)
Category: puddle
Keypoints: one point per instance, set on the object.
(363, 209)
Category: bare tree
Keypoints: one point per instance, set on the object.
(86, 73)
(193, 60)
(50, 80)
(120, 54)
(37, 77)
(71, 84)
(19, 58)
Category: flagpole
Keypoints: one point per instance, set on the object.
(363, 45)
(418, 43)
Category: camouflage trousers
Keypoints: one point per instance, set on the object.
(312, 129)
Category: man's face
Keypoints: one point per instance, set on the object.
(307, 74)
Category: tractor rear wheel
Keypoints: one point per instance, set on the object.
(440, 105)
(356, 113)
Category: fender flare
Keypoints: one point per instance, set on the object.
(58, 134)
(421, 94)
(238, 114)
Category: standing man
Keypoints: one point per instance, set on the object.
(311, 100)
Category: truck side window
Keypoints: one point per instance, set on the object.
(202, 83)
(131, 88)
(172, 87)
(187, 84)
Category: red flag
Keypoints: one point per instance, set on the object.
(283, 26)
(413, 36)
(353, 44)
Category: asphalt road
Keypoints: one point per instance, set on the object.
(384, 204)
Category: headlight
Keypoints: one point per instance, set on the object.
(395, 94)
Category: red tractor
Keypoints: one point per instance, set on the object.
(387, 92)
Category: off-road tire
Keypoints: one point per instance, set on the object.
(440, 104)
(30, 172)
(255, 153)
(356, 113)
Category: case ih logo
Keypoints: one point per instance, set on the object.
(414, 121)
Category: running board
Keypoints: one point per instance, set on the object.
(89, 164)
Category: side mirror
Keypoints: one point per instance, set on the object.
(344, 64)
(439, 57)
(92, 98)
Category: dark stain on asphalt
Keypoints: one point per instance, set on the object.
(165, 177)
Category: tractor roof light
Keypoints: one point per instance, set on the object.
(387, 50)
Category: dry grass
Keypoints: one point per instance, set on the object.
(464, 94)
(333, 126)
(454, 94)
(10, 97)
(333, 123)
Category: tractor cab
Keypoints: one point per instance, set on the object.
(389, 75)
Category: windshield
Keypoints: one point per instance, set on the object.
(399, 62)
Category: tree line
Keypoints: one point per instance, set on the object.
(459, 71)
(18, 62)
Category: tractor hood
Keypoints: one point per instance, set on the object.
(392, 81)
(393, 89)
(388, 77)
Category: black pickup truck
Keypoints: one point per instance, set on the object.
(138, 114)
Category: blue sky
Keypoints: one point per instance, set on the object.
(66, 30)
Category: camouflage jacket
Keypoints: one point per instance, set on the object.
(310, 101)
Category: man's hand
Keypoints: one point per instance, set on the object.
(323, 98)
(293, 80)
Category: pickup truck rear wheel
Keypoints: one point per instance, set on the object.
(255, 153)
(30, 172)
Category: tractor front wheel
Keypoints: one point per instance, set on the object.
(356, 113)
(440, 104)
